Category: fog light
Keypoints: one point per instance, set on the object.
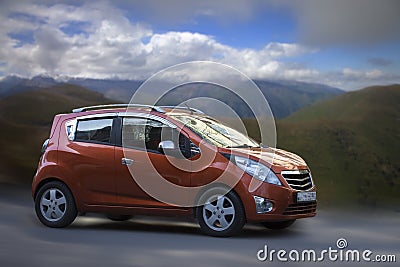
(263, 205)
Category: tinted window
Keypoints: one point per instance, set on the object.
(144, 133)
(147, 134)
(96, 130)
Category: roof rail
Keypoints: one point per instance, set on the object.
(184, 108)
(82, 109)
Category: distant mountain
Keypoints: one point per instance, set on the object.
(14, 84)
(284, 97)
(25, 122)
(351, 143)
(120, 90)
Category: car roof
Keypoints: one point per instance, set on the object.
(139, 107)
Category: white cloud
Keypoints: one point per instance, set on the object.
(106, 44)
(374, 74)
(286, 50)
(109, 45)
(351, 79)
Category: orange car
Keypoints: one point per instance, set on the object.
(97, 159)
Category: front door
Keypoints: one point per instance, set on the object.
(141, 167)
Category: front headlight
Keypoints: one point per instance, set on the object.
(257, 170)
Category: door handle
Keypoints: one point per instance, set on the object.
(126, 161)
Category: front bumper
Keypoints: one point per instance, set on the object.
(285, 205)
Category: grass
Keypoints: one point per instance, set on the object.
(351, 143)
(26, 120)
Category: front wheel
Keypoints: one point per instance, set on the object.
(278, 225)
(222, 214)
(55, 205)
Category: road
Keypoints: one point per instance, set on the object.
(142, 241)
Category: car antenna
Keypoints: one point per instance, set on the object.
(191, 111)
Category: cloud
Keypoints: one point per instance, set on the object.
(351, 79)
(177, 11)
(380, 62)
(374, 74)
(98, 40)
(102, 42)
(357, 22)
(50, 47)
(319, 23)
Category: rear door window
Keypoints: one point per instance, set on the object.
(94, 131)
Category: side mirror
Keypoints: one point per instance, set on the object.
(166, 145)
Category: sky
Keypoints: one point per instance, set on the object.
(349, 44)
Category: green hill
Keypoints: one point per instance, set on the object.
(351, 143)
(25, 121)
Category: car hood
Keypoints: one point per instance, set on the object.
(276, 159)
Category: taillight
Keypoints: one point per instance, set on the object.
(44, 146)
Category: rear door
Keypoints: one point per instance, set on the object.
(89, 157)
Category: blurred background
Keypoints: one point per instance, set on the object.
(349, 139)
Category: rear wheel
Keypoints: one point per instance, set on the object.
(221, 215)
(55, 205)
(278, 225)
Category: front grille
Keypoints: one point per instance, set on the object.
(301, 208)
(298, 179)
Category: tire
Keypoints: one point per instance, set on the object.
(55, 205)
(119, 218)
(221, 215)
(278, 225)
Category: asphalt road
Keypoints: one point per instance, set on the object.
(142, 241)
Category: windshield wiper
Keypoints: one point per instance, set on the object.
(240, 146)
(261, 145)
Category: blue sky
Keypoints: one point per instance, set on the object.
(348, 44)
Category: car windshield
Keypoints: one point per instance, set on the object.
(215, 132)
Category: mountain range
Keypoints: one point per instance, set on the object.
(284, 97)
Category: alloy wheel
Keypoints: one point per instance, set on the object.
(219, 213)
(53, 204)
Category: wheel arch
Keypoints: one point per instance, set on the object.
(55, 179)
